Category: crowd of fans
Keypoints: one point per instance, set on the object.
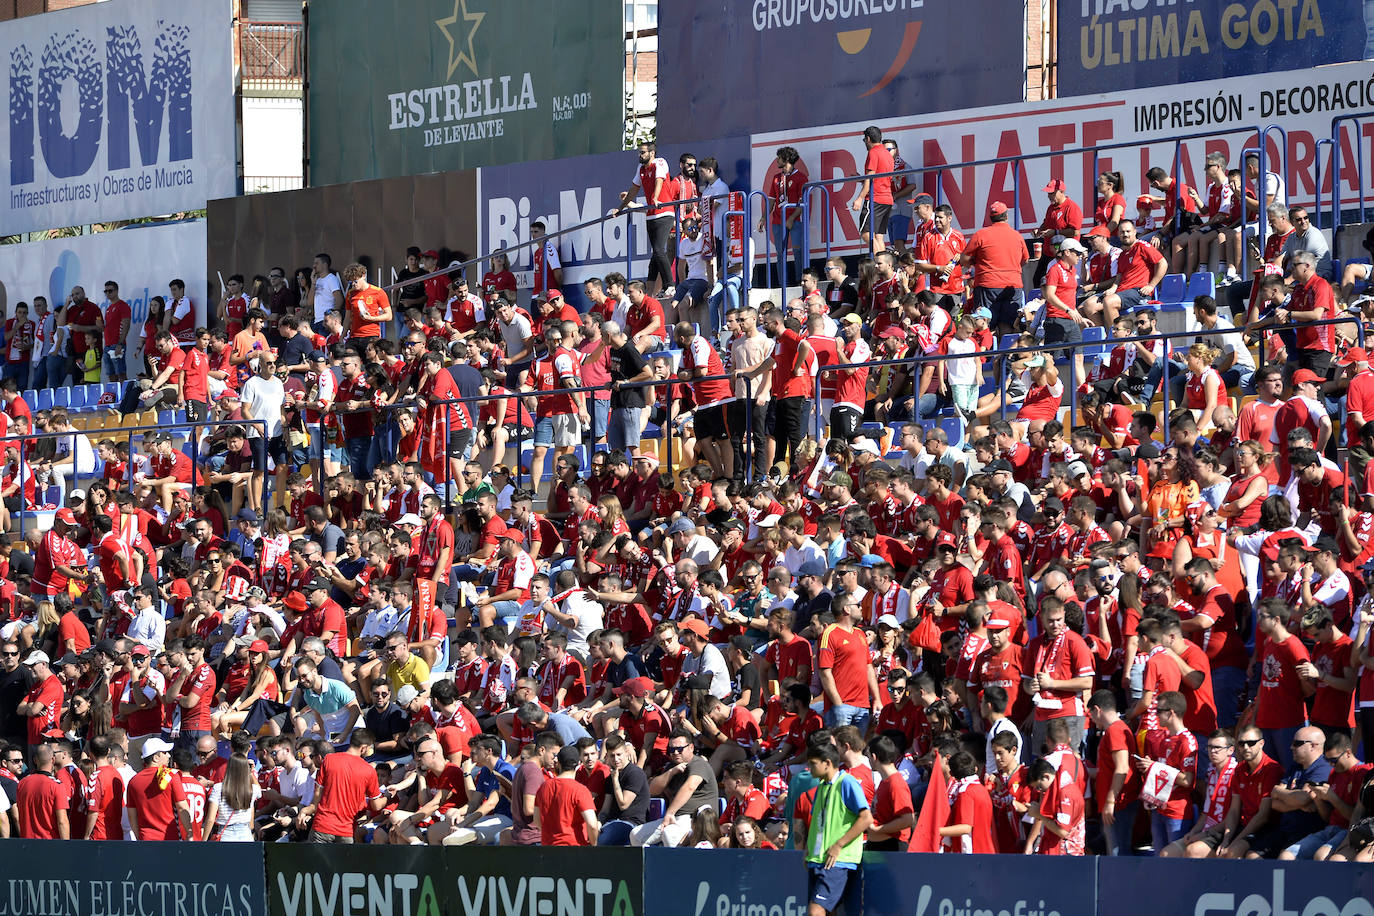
(1130, 629)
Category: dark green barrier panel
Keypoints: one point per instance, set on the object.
(309, 880)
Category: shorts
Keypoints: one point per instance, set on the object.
(1130, 299)
(515, 432)
(712, 422)
(899, 227)
(1004, 302)
(567, 429)
(829, 888)
(543, 432)
(276, 449)
(196, 411)
(112, 358)
(881, 214)
(1211, 837)
(458, 440)
(1062, 330)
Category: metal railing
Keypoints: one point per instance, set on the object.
(192, 428)
(267, 184)
(917, 361)
(272, 54)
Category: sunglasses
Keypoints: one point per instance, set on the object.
(1250, 742)
(676, 748)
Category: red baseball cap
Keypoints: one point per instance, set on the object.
(514, 535)
(997, 208)
(694, 625)
(1146, 202)
(431, 254)
(66, 516)
(639, 687)
(552, 294)
(295, 601)
(893, 331)
(1056, 184)
(1302, 375)
(1354, 355)
(258, 645)
(1100, 230)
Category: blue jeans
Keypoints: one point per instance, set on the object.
(724, 297)
(615, 833)
(1164, 830)
(359, 451)
(856, 716)
(17, 371)
(57, 365)
(783, 239)
(1119, 837)
(1227, 686)
(38, 374)
(1307, 847)
(1278, 743)
(601, 410)
(624, 427)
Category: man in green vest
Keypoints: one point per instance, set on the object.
(835, 835)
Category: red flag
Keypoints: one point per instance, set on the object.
(934, 812)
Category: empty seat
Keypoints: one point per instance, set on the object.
(1171, 288)
(79, 397)
(44, 400)
(62, 397)
(1202, 283)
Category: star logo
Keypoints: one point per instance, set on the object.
(460, 21)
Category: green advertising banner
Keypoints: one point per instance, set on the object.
(438, 85)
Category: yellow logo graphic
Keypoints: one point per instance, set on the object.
(458, 23)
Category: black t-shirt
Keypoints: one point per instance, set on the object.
(296, 351)
(412, 290)
(626, 363)
(846, 294)
(387, 725)
(748, 678)
(632, 779)
(13, 686)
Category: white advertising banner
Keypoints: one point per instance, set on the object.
(116, 110)
(141, 259)
(1224, 114)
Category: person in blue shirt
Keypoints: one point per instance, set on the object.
(487, 811)
(1290, 813)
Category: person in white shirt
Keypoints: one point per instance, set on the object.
(800, 548)
(717, 194)
(262, 398)
(149, 627)
(574, 613)
(702, 657)
(696, 265)
(325, 288)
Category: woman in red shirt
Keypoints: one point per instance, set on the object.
(1203, 387)
(1111, 205)
(1044, 391)
(1248, 488)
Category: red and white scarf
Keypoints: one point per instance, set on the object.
(1219, 793)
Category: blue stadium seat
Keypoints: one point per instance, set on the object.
(952, 427)
(1202, 283)
(1171, 288)
(166, 417)
(79, 397)
(44, 400)
(62, 397)
(31, 398)
(1008, 341)
(1095, 333)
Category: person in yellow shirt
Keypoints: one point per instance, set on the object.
(404, 667)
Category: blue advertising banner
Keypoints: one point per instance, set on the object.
(726, 882)
(116, 110)
(908, 884)
(565, 192)
(777, 64)
(1216, 887)
(1107, 45)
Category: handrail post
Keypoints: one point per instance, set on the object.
(1164, 381)
(748, 429)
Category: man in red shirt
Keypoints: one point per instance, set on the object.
(1170, 773)
(651, 178)
(1312, 300)
(874, 214)
(1279, 705)
(1057, 666)
(104, 794)
(997, 254)
(563, 808)
(790, 365)
(644, 323)
(848, 683)
(42, 800)
(116, 331)
(938, 260)
(1141, 268)
(367, 308)
(191, 694)
(785, 193)
(157, 804)
(1063, 322)
(345, 786)
(42, 705)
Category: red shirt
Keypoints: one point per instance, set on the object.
(48, 692)
(1315, 295)
(1331, 706)
(1180, 752)
(561, 803)
(786, 189)
(1279, 703)
(789, 658)
(367, 306)
(845, 653)
(1137, 265)
(1253, 787)
(892, 800)
(1064, 281)
(1118, 737)
(343, 786)
(40, 796)
(200, 681)
(86, 313)
(999, 253)
(155, 805)
(1062, 659)
(105, 796)
(877, 162)
(641, 316)
(785, 351)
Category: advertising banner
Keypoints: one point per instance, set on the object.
(1220, 116)
(565, 192)
(726, 882)
(306, 880)
(1106, 45)
(1218, 887)
(141, 259)
(43, 877)
(117, 110)
(453, 84)
(905, 884)
(778, 64)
